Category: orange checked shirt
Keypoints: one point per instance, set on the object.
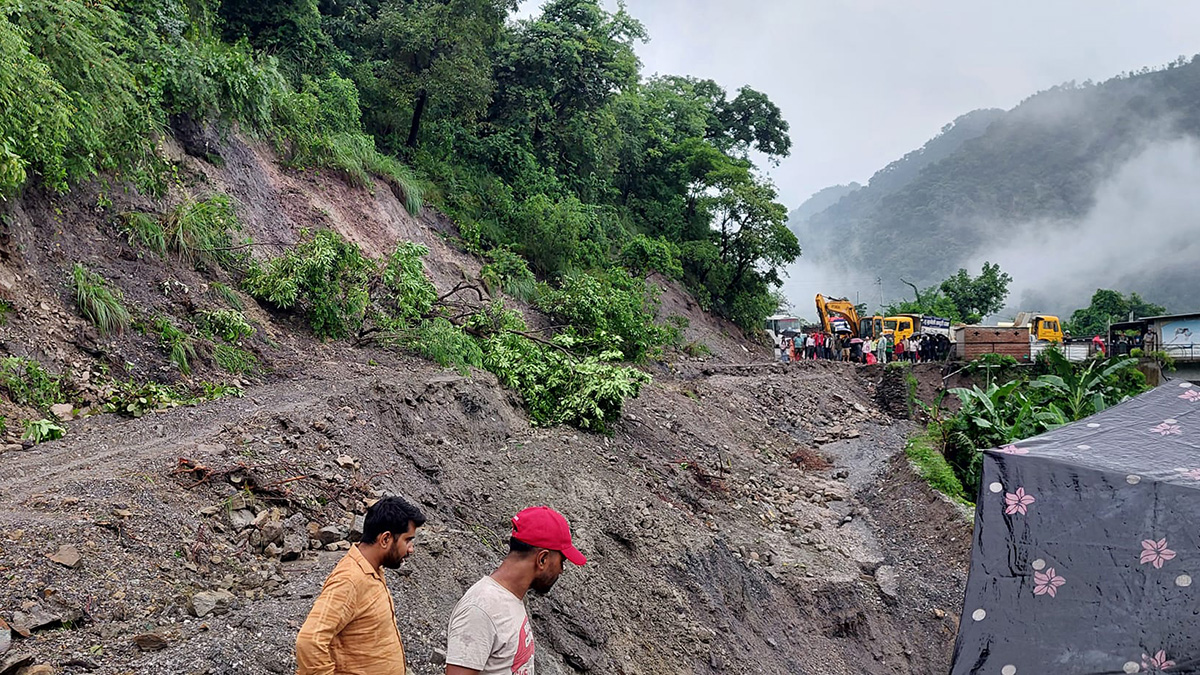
(351, 629)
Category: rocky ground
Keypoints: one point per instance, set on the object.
(743, 516)
(757, 520)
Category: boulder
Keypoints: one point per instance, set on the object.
(205, 603)
(150, 642)
(67, 556)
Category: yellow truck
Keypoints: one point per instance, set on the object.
(1042, 327)
(904, 326)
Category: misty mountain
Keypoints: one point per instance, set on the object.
(1078, 187)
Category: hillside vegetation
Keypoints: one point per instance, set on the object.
(567, 173)
(963, 193)
(539, 136)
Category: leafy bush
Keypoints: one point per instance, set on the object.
(234, 360)
(132, 399)
(1163, 359)
(40, 431)
(1003, 414)
(410, 294)
(608, 311)
(323, 276)
(643, 255)
(27, 383)
(228, 324)
(558, 388)
(445, 344)
(508, 271)
(98, 303)
(71, 106)
(339, 289)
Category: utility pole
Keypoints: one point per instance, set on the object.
(879, 283)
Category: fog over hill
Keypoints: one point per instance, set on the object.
(1079, 187)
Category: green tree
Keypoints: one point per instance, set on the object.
(1107, 307)
(422, 59)
(976, 297)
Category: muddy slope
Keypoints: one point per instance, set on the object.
(741, 518)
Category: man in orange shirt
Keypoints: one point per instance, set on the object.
(351, 629)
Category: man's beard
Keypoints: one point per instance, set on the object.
(393, 560)
(542, 586)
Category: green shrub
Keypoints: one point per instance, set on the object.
(228, 324)
(323, 276)
(234, 360)
(6, 308)
(40, 431)
(558, 388)
(200, 230)
(1163, 359)
(508, 271)
(71, 106)
(608, 311)
(331, 282)
(98, 303)
(642, 255)
(410, 294)
(132, 399)
(27, 383)
(1137, 352)
(445, 344)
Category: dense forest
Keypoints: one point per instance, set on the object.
(962, 195)
(540, 137)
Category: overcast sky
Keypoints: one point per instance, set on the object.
(864, 81)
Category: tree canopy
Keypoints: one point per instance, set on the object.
(960, 298)
(1107, 307)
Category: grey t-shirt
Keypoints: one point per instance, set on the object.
(489, 632)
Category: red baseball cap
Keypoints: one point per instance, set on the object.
(543, 527)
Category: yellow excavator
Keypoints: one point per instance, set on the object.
(837, 315)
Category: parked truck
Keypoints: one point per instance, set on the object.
(904, 326)
(775, 326)
(1041, 327)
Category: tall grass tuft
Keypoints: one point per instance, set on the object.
(98, 303)
(199, 230)
(145, 229)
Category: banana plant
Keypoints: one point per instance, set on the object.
(1082, 392)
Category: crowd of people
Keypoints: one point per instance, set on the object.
(818, 345)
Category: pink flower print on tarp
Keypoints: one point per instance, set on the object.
(1157, 663)
(1017, 502)
(1190, 395)
(1166, 429)
(1194, 474)
(1156, 552)
(1013, 450)
(1047, 583)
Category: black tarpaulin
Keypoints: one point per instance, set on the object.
(1086, 555)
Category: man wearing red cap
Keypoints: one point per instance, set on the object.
(489, 631)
